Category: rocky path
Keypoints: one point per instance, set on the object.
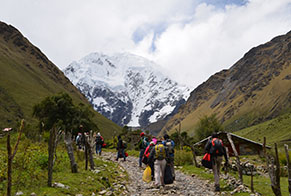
(183, 185)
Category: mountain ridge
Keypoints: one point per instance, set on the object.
(27, 76)
(255, 89)
(126, 88)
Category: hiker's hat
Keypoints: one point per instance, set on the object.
(141, 134)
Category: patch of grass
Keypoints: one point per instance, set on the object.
(277, 130)
(134, 153)
(30, 171)
(261, 184)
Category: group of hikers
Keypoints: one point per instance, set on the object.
(158, 154)
(99, 142)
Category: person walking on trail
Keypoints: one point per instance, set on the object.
(99, 142)
(159, 155)
(79, 141)
(170, 144)
(215, 148)
(146, 158)
(120, 149)
(143, 143)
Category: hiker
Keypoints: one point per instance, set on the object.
(120, 149)
(79, 140)
(216, 149)
(143, 143)
(145, 159)
(154, 139)
(170, 144)
(159, 155)
(99, 141)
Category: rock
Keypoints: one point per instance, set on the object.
(60, 185)
(19, 193)
(109, 193)
(33, 194)
(102, 192)
(96, 171)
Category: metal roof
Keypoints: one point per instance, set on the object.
(232, 135)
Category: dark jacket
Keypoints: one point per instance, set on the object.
(120, 144)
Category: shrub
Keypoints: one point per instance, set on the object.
(183, 158)
(208, 125)
(43, 161)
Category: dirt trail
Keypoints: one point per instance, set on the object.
(183, 185)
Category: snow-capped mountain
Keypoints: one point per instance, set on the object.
(128, 89)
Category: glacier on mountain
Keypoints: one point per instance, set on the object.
(126, 88)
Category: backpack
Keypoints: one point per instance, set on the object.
(78, 139)
(124, 144)
(160, 152)
(216, 148)
(206, 161)
(168, 144)
(144, 143)
(168, 177)
(99, 140)
(145, 157)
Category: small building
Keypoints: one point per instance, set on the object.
(243, 145)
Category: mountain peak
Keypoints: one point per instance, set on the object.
(126, 88)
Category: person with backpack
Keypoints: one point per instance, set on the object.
(99, 141)
(143, 143)
(79, 140)
(215, 148)
(170, 144)
(120, 149)
(145, 158)
(159, 155)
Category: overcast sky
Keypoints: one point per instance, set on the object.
(191, 39)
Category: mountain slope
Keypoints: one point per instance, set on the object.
(255, 89)
(126, 88)
(27, 76)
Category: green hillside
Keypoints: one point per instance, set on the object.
(255, 89)
(27, 76)
(277, 130)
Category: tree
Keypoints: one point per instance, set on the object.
(208, 125)
(59, 111)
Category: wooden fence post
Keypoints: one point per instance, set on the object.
(288, 167)
(237, 158)
(11, 156)
(273, 166)
(252, 179)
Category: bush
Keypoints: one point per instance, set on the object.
(208, 125)
(43, 161)
(183, 158)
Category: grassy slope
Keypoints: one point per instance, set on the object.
(27, 76)
(255, 107)
(276, 130)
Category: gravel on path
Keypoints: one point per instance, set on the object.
(183, 185)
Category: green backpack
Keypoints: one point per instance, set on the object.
(160, 152)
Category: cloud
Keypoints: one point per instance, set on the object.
(191, 39)
(216, 38)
